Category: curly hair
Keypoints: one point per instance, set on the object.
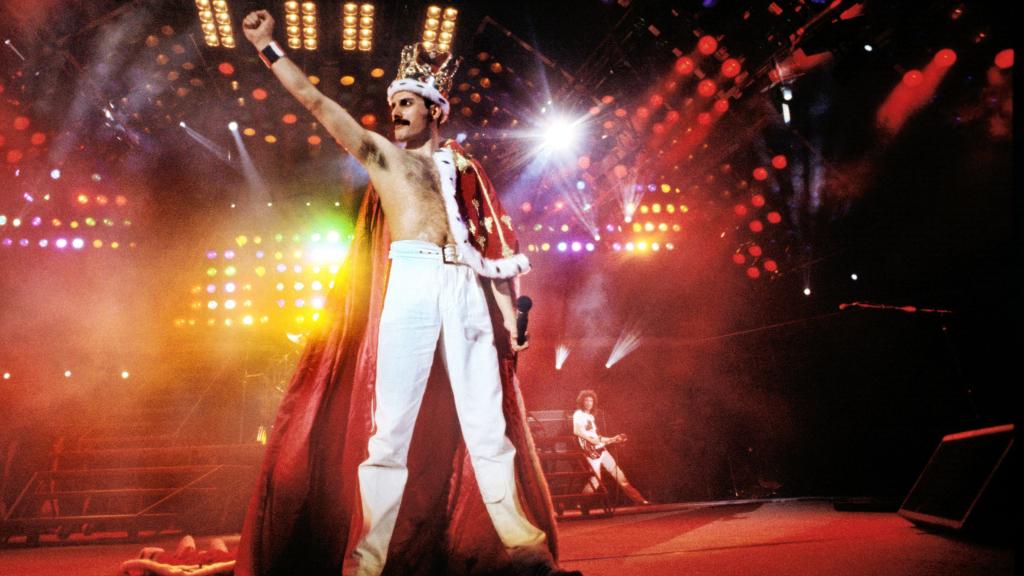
(584, 394)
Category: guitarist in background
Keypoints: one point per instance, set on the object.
(595, 447)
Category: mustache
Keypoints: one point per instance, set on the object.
(400, 121)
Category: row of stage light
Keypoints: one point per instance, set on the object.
(302, 22)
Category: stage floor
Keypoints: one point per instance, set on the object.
(760, 538)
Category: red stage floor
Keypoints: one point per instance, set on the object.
(785, 538)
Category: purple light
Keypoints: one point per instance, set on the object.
(37, 221)
(281, 267)
(280, 303)
(576, 246)
(259, 253)
(23, 242)
(211, 288)
(62, 243)
(7, 242)
(229, 254)
(616, 246)
(300, 303)
(211, 254)
(28, 197)
(651, 187)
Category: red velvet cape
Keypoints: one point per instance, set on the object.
(305, 515)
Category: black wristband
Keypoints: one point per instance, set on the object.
(271, 53)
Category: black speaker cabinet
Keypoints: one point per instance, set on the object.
(966, 484)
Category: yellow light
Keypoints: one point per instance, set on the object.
(208, 28)
(637, 227)
(291, 19)
(205, 16)
(249, 132)
(230, 271)
(229, 42)
(365, 45)
(292, 31)
(365, 34)
(447, 26)
(649, 227)
(310, 32)
(429, 35)
(349, 34)
(431, 24)
(270, 138)
(545, 246)
(349, 21)
(444, 37)
(656, 208)
(377, 72)
(212, 40)
(451, 14)
(124, 374)
(347, 80)
(309, 7)
(350, 8)
(309, 20)
(433, 12)
(294, 42)
(291, 6)
(662, 227)
(366, 9)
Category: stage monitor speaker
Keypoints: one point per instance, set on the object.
(966, 484)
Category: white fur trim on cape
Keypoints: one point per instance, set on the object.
(428, 91)
(501, 268)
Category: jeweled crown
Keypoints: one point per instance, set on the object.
(439, 76)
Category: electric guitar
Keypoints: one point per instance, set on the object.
(593, 451)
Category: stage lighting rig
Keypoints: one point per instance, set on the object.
(215, 21)
(357, 26)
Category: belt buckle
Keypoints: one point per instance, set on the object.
(450, 254)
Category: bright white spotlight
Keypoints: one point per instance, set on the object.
(629, 340)
(561, 353)
(559, 134)
(55, 174)
(233, 126)
(807, 291)
(182, 124)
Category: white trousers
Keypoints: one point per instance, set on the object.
(430, 302)
(607, 461)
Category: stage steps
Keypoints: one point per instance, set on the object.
(128, 472)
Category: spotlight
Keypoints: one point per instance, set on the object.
(868, 48)
(854, 277)
(124, 374)
(807, 291)
(55, 174)
(182, 124)
(67, 373)
(233, 126)
(559, 135)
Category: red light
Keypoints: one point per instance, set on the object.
(707, 88)
(14, 156)
(672, 117)
(643, 112)
(102, 200)
(731, 68)
(740, 210)
(770, 265)
(945, 57)
(314, 140)
(707, 45)
(774, 217)
(913, 78)
(38, 139)
(368, 120)
(583, 162)
(757, 200)
(657, 100)
(684, 66)
(753, 273)
(739, 258)
(721, 105)
(755, 251)
(289, 118)
(526, 207)
(259, 94)
(703, 118)
(658, 128)
(1004, 59)
(21, 122)
(121, 201)
(756, 226)
(620, 171)
(760, 173)
(779, 162)
(621, 112)
(226, 68)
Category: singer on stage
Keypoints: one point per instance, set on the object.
(423, 323)
(596, 446)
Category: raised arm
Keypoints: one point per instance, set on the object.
(259, 29)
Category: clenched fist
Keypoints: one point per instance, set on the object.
(258, 27)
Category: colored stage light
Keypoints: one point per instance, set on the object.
(1004, 59)
(233, 126)
(707, 88)
(707, 45)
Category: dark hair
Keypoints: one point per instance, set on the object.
(583, 395)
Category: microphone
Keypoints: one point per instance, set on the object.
(523, 305)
